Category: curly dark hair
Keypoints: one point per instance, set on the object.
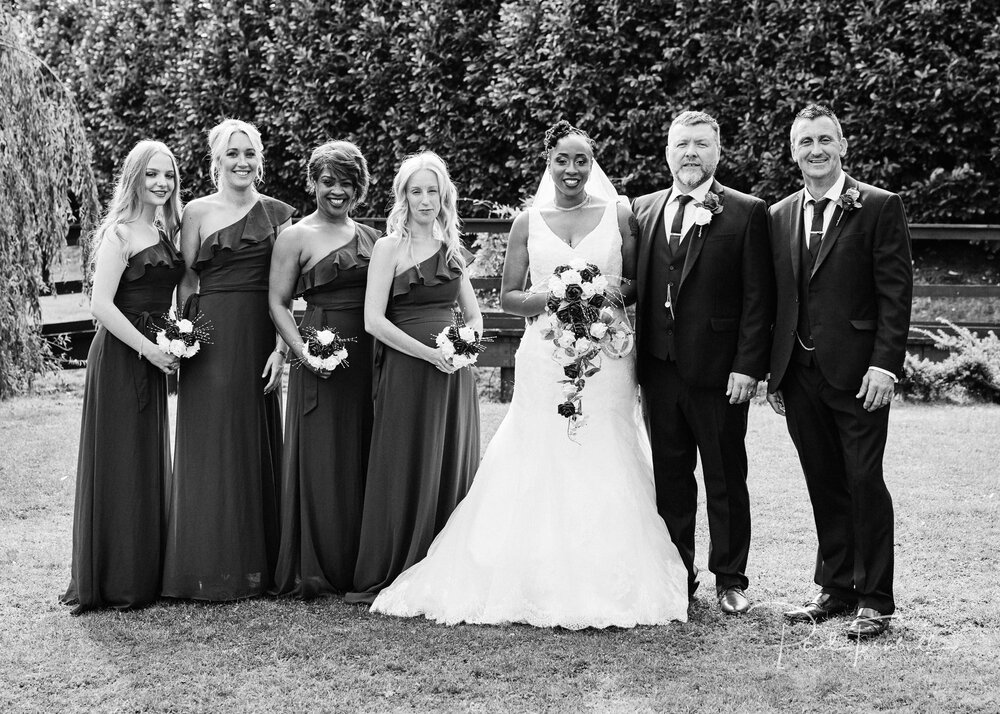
(344, 160)
(563, 128)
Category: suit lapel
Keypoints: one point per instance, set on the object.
(654, 217)
(696, 237)
(795, 227)
(837, 223)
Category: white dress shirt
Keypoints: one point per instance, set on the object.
(670, 209)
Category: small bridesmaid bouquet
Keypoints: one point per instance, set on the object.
(324, 348)
(181, 337)
(460, 343)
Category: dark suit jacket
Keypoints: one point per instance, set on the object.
(859, 290)
(724, 303)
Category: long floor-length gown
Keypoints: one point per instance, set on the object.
(124, 457)
(328, 428)
(222, 520)
(425, 442)
(556, 532)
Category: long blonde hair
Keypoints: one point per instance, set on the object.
(126, 202)
(446, 222)
(218, 142)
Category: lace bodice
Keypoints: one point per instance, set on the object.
(602, 247)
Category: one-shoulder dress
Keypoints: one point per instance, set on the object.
(425, 442)
(124, 457)
(222, 519)
(328, 427)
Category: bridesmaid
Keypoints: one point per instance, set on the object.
(124, 458)
(324, 258)
(222, 520)
(425, 443)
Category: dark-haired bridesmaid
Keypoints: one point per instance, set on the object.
(324, 258)
(222, 523)
(124, 458)
(425, 442)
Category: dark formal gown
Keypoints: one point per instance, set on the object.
(222, 517)
(124, 460)
(425, 442)
(328, 430)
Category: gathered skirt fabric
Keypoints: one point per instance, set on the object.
(327, 440)
(122, 469)
(222, 522)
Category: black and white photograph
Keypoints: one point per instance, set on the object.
(499, 356)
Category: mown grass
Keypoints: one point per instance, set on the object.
(266, 654)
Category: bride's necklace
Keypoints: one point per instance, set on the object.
(576, 207)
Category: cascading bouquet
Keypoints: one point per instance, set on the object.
(182, 337)
(324, 348)
(460, 343)
(582, 323)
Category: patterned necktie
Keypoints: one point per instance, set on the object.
(678, 223)
(816, 229)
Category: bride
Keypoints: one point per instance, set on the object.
(557, 532)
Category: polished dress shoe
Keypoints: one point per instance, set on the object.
(868, 623)
(733, 601)
(822, 607)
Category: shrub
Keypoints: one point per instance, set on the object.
(970, 372)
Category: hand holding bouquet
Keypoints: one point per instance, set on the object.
(459, 343)
(324, 349)
(183, 337)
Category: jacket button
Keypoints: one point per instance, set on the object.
(669, 333)
(670, 267)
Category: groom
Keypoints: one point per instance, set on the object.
(703, 318)
(844, 278)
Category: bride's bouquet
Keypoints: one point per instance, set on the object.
(181, 337)
(580, 320)
(460, 343)
(324, 348)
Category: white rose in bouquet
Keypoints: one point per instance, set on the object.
(566, 339)
(324, 337)
(184, 326)
(340, 354)
(578, 264)
(569, 390)
(583, 346)
(467, 333)
(461, 361)
(177, 348)
(570, 277)
(598, 330)
(556, 287)
(600, 284)
(588, 290)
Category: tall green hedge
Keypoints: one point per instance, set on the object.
(916, 84)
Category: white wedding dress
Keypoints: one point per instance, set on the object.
(556, 533)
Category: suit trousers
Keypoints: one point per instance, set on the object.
(840, 447)
(684, 421)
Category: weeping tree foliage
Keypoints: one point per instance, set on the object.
(45, 172)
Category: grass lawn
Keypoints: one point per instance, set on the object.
(279, 655)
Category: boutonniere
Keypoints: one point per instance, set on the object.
(704, 211)
(848, 201)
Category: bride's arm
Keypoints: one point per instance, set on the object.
(629, 228)
(514, 299)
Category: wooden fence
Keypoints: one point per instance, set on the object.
(507, 329)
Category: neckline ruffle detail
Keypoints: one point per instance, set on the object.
(257, 225)
(434, 270)
(356, 253)
(161, 253)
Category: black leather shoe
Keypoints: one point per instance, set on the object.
(733, 601)
(868, 623)
(822, 607)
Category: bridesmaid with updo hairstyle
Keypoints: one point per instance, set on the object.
(324, 258)
(222, 524)
(425, 443)
(124, 457)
